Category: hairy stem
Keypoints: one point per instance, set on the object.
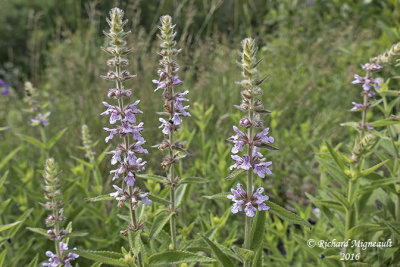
(247, 229)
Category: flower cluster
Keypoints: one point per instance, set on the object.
(41, 116)
(53, 195)
(55, 260)
(6, 90)
(252, 160)
(240, 198)
(125, 156)
(168, 78)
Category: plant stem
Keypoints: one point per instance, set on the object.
(247, 229)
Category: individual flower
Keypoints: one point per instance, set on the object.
(256, 162)
(240, 199)
(55, 261)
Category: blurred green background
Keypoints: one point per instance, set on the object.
(311, 50)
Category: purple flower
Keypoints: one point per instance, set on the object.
(130, 179)
(116, 156)
(239, 140)
(118, 171)
(261, 168)
(112, 133)
(113, 112)
(137, 148)
(6, 90)
(145, 199)
(165, 125)
(40, 119)
(179, 98)
(371, 67)
(55, 261)
(263, 137)
(176, 119)
(239, 197)
(241, 162)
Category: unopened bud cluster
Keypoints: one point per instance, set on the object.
(362, 147)
(87, 143)
(388, 56)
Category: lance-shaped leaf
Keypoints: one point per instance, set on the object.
(234, 174)
(287, 215)
(362, 228)
(218, 196)
(7, 158)
(257, 231)
(336, 157)
(223, 259)
(33, 262)
(159, 222)
(244, 254)
(377, 184)
(55, 138)
(372, 169)
(107, 257)
(99, 198)
(33, 141)
(5, 227)
(39, 231)
(87, 164)
(269, 147)
(381, 123)
(158, 199)
(394, 228)
(153, 177)
(193, 180)
(177, 257)
(2, 257)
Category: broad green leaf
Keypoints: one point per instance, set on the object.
(177, 257)
(157, 178)
(39, 231)
(107, 257)
(159, 223)
(224, 260)
(7, 158)
(243, 253)
(33, 141)
(220, 196)
(55, 138)
(362, 228)
(158, 199)
(287, 215)
(5, 227)
(235, 173)
(257, 231)
(33, 263)
(193, 180)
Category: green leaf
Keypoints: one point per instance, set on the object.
(193, 180)
(334, 171)
(99, 198)
(269, 147)
(177, 257)
(75, 234)
(5, 227)
(393, 228)
(257, 231)
(2, 257)
(159, 223)
(179, 193)
(351, 124)
(96, 264)
(6, 159)
(244, 254)
(372, 169)
(33, 141)
(339, 197)
(220, 196)
(21, 218)
(381, 123)
(287, 215)
(3, 178)
(4, 204)
(157, 178)
(336, 157)
(234, 174)
(83, 162)
(224, 260)
(158, 199)
(258, 258)
(377, 184)
(102, 155)
(39, 231)
(107, 257)
(362, 228)
(55, 138)
(33, 263)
